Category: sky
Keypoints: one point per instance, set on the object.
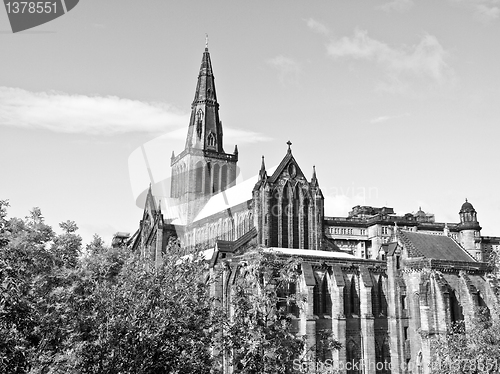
(396, 103)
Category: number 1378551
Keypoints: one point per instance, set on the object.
(31, 7)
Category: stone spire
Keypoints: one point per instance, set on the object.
(202, 168)
(205, 128)
(262, 172)
(314, 179)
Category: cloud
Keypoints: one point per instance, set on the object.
(397, 5)
(427, 58)
(483, 10)
(381, 119)
(239, 136)
(317, 26)
(98, 115)
(288, 69)
(62, 112)
(486, 13)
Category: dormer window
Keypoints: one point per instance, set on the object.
(211, 140)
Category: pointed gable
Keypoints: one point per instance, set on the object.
(288, 168)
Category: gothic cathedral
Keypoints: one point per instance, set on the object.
(385, 284)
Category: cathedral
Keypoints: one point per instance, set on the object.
(385, 284)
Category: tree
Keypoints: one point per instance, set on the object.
(95, 246)
(23, 261)
(471, 349)
(4, 204)
(67, 246)
(124, 315)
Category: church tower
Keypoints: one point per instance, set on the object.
(470, 230)
(202, 168)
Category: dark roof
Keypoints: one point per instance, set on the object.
(438, 247)
(467, 207)
(390, 248)
(233, 246)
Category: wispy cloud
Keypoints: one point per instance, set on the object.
(427, 58)
(288, 69)
(382, 119)
(317, 26)
(483, 10)
(239, 136)
(62, 112)
(99, 115)
(397, 5)
(486, 11)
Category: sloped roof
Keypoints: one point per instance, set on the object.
(390, 248)
(232, 246)
(437, 247)
(312, 253)
(281, 166)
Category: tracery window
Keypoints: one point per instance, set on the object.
(211, 140)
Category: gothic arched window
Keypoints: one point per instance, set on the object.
(223, 177)
(382, 302)
(198, 172)
(208, 189)
(286, 294)
(284, 216)
(325, 296)
(216, 177)
(354, 299)
(273, 215)
(199, 122)
(456, 313)
(306, 222)
(295, 217)
(211, 140)
(316, 299)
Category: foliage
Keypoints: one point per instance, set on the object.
(4, 204)
(469, 348)
(142, 320)
(67, 246)
(95, 246)
(24, 260)
(108, 312)
(111, 311)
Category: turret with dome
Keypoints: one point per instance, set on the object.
(470, 230)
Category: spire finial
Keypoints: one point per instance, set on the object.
(466, 200)
(314, 179)
(206, 42)
(289, 144)
(262, 172)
